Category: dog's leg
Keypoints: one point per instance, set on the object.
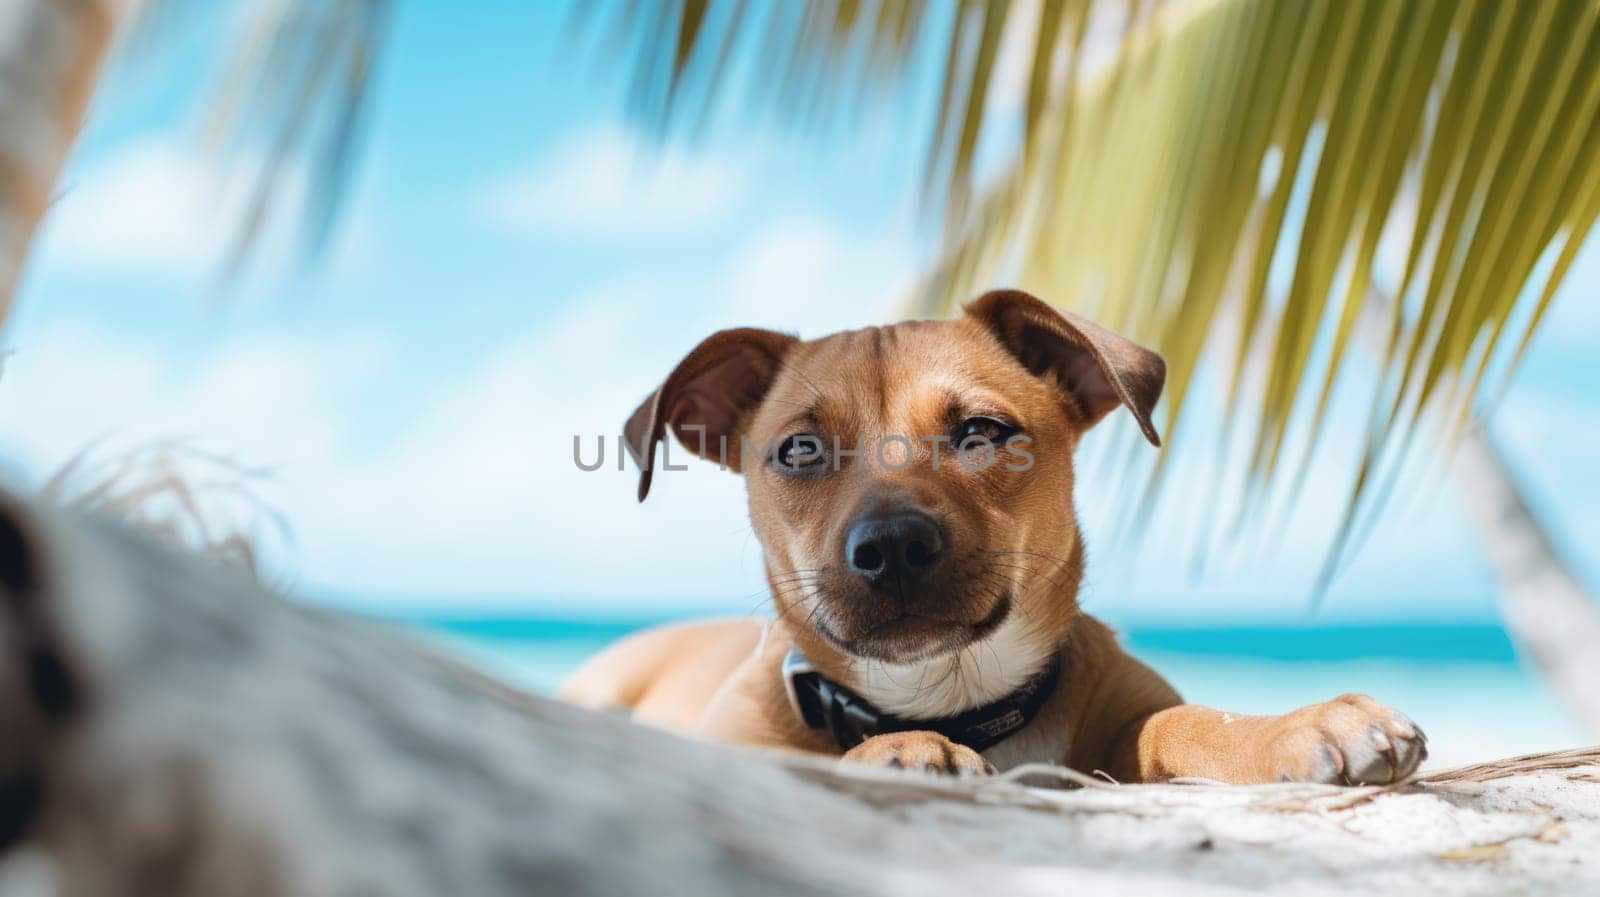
(1350, 740)
(927, 751)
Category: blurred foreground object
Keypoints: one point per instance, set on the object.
(294, 90)
(177, 493)
(174, 729)
(50, 55)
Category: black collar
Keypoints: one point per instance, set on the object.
(824, 704)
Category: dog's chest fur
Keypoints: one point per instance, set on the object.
(979, 674)
(1041, 741)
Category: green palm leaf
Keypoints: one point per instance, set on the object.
(1145, 194)
(817, 62)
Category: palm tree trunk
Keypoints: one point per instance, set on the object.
(50, 56)
(1546, 608)
(168, 727)
(1543, 605)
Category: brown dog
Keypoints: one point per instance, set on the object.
(912, 488)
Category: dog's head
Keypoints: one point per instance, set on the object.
(911, 484)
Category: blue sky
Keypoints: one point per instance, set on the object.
(517, 265)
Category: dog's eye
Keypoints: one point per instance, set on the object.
(800, 451)
(977, 432)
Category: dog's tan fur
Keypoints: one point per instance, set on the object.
(1003, 594)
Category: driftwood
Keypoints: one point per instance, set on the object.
(171, 729)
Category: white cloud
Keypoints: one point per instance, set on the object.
(165, 208)
(142, 210)
(273, 401)
(608, 183)
(476, 494)
(801, 275)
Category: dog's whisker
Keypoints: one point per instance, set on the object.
(1024, 563)
(977, 667)
(1024, 558)
(1004, 584)
(798, 589)
(1038, 554)
(1058, 564)
(816, 607)
(798, 570)
(802, 579)
(1028, 570)
(1045, 555)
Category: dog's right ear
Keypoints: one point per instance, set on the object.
(1097, 369)
(715, 386)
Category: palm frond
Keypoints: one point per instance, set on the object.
(290, 106)
(1164, 216)
(177, 493)
(818, 62)
(1229, 142)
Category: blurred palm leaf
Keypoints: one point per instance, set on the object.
(290, 105)
(825, 61)
(1230, 138)
(177, 493)
(1166, 220)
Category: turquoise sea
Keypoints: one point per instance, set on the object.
(1465, 684)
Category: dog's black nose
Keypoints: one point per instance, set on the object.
(898, 546)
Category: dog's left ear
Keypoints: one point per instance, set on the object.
(710, 393)
(1098, 369)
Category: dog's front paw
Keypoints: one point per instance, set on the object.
(1350, 740)
(926, 751)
